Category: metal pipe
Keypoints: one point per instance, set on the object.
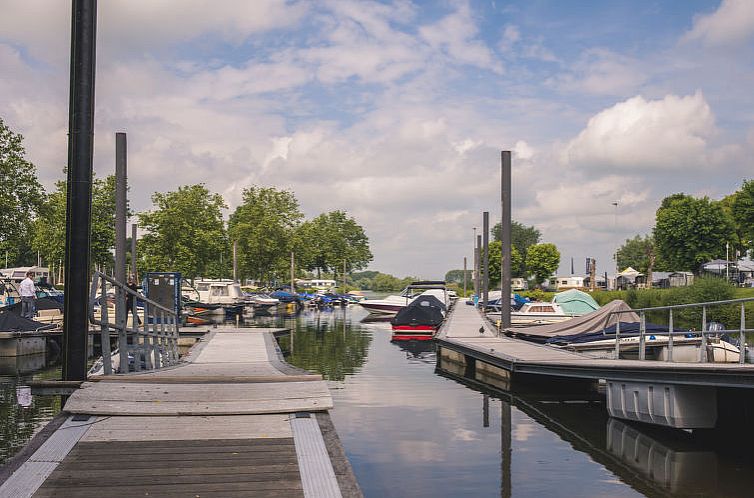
(742, 337)
(617, 339)
(121, 151)
(133, 251)
(505, 239)
(79, 187)
(478, 254)
(670, 336)
(464, 276)
(642, 336)
(485, 258)
(703, 344)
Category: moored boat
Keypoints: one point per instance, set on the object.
(419, 320)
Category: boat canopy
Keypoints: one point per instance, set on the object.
(424, 310)
(575, 302)
(595, 321)
(11, 322)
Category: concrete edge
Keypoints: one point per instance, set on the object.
(23, 455)
(277, 360)
(349, 486)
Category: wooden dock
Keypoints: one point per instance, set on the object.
(467, 332)
(233, 420)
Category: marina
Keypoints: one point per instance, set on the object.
(244, 338)
(451, 426)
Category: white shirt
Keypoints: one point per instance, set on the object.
(27, 288)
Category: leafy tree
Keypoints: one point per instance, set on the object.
(264, 227)
(542, 260)
(522, 237)
(21, 196)
(690, 231)
(334, 238)
(385, 283)
(185, 232)
(496, 258)
(49, 227)
(638, 253)
(456, 277)
(742, 210)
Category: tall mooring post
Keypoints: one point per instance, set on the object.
(485, 258)
(235, 263)
(121, 156)
(505, 238)
(133, 251)
(478, 256)
(79, 194)
(475, 270)
(464, 276)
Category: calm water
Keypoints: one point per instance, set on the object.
(21, 414)
(409, 430)
(413, 429)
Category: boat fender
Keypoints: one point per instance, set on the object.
(652, 338)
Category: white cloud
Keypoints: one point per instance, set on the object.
(456, 34)
(641, 135)
(731, 24)
(602, 72)
(513, 44)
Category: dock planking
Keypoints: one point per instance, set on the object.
(233, 420)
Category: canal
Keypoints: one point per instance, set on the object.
(413, 428)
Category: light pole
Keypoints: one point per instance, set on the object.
(615, 230)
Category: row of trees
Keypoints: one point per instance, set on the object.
(690, 231)
(530, 259)
(185, 230)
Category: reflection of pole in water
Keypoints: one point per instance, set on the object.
(505, 449)
(485, 410)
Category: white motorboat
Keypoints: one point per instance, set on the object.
(535, 313)
(685, 348)
(391, 305)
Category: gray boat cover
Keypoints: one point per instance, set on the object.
(595, 321)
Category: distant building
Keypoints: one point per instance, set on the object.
(569, 282)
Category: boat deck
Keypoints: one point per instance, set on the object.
(467, 332)
(234, 420)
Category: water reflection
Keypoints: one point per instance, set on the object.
(22, 414)
(415, 423)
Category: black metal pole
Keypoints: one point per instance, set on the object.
(478, 255)
(79, 188)
(485, 258)
(505, 238)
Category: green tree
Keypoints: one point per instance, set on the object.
(335, 238)
(456, 277)
(385, 283)
(185, 233)
(496, 258)
(522, 236)
(690, 231)
(742, 210)
(542, 260)
(21, 197)
(264, 226)
(638, 253)
(49, 227)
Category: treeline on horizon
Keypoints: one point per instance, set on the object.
(184, 231)
(690, 231)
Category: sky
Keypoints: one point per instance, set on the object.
(396, 111)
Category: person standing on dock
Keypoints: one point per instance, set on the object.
(28, 297)
(130, 298)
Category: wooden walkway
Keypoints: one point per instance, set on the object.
(234, 420)
(467, 332)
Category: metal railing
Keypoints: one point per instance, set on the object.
(704, 333)
(151, 344)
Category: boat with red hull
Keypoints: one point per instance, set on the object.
(419, 320)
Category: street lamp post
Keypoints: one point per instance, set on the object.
(615, 230)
